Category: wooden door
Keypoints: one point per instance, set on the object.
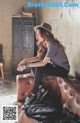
(22, 40)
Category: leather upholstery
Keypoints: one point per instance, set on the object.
(67, 90)
(70, 93)
(24, 85)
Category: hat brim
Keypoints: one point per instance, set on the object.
(35, 27)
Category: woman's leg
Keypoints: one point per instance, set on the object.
(37, 80)
(47, 70)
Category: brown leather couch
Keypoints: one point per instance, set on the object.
(70, 93)
(65, 91)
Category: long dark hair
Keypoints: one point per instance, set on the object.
(41, 49)
(50, 37)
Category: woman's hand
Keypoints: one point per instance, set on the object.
(21, 68)
(22, 63)
(29, 60)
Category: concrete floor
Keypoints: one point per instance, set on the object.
(8, 90)
(8, 86)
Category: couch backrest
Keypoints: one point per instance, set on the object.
(70, 92)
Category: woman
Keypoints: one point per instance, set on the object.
(55, 62)
(40, 55)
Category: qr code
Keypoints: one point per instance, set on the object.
(9, 113)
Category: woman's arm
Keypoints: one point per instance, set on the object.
(30, 60)
(39, 64)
